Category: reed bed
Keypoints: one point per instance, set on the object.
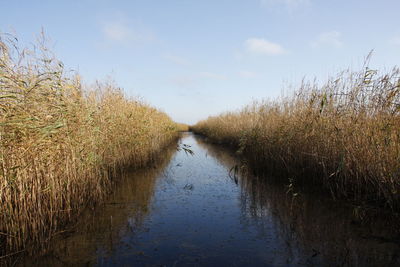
(182, 127)
(62, 143)
(343, 135)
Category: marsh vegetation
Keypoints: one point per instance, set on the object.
(65, 146)
(343, 135)
(192, 210)
(62, 143)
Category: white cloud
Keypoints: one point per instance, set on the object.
(120, 30)
(211, 75)
(290, 4)
(176, 59)
(247, 74)
(117, 31)
(395, 40)
(193, 80)
(183, 81)
(262, 46)
(331, 38)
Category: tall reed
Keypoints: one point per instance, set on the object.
(343, 135)
(61, 143)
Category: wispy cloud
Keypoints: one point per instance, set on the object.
(193, 80)
(211, 75)
(289, 4)
(121, 30)
(176, 59)
(117, 31)
(332, 38)
(262, 46)
(247, 74)
(183, 81)
(395, 40)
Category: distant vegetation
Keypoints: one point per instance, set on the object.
(62, 143)
(343, 135)
(183, 127)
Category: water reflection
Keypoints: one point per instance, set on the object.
(99, 232)
(202, 211)
(327, 231)
(316, 230)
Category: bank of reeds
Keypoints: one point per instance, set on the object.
(343, 135)
(182, 127)
(62, 143)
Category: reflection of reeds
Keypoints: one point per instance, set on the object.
(328, 233)
(60, 143)
(343, 135)
(99, 231)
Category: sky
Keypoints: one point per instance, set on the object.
(196, 58)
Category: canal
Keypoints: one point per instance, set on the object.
(201, 210)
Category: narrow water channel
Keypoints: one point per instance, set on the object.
(191, 210)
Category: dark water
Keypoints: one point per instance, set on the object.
(190, 211)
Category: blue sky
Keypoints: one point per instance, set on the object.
(193, 58)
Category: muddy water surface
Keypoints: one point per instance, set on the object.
(193, 210)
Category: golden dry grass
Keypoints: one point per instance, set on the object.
(343, 135)
(61, 144)
(183, 127)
